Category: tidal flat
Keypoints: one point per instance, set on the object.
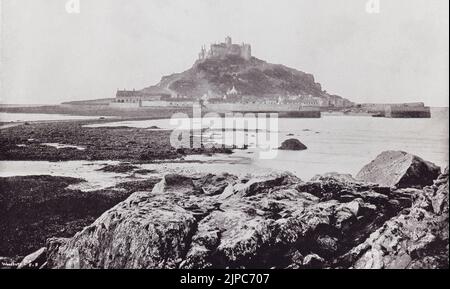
(28, 142)
(37, 207)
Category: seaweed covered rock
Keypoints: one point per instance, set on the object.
(292, 145)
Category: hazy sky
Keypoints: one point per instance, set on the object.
(49, 56)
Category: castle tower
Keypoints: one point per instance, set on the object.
(228, 41)
(246, 51)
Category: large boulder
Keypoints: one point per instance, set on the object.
(399, 169)
(416, 239)
(142, 232)
(148, 230)
(275, 221)
(292, 145)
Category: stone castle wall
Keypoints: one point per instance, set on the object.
(226, 48)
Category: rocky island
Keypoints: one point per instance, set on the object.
(227, 77)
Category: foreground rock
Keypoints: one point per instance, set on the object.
(292, 145)
(399, 169)
(279, 221)
(416, 239)
(276, 222)
(148, 230)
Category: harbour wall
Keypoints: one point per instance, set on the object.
(407, 112)
(283, 110)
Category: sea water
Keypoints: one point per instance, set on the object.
(341, 144)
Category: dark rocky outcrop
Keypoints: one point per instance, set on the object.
(399, 169)
(292, 145)
(416, 239)
(255, 223)
(277, 221)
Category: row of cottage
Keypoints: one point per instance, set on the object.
(134, 99)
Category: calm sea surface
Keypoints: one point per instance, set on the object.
(341, 144)
(19, 117)
(336, 143)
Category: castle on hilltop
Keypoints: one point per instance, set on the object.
(226, 48)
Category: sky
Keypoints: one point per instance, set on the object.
(48, 55)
